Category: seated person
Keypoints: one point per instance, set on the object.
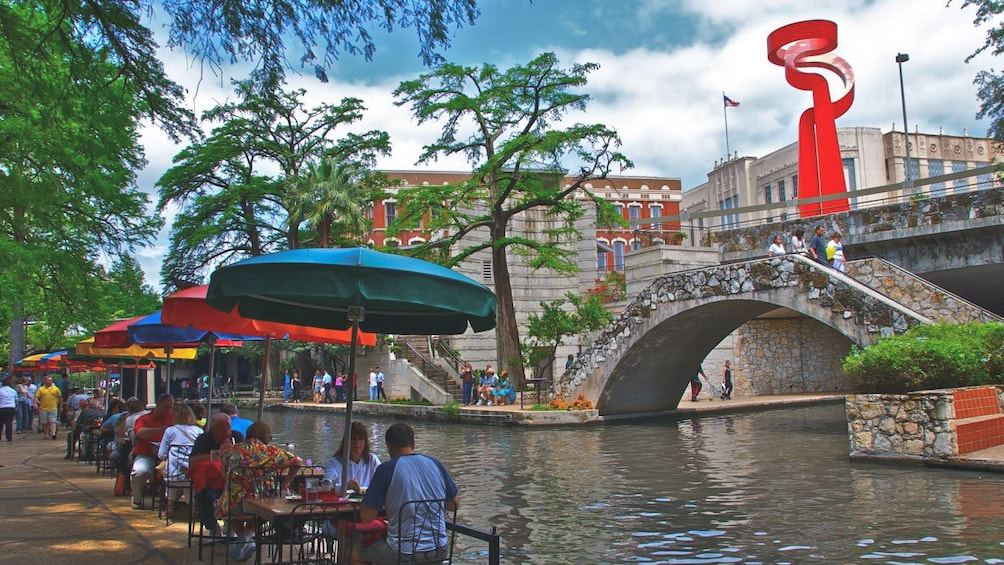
(504, 394)
(123, 435)
(237, 423)
(254, 451)
(183, 432)
(116, 409)
(486, 389)
(149, 430)
(86, 417)
(362, 465)
(219, 434)
(407, 476)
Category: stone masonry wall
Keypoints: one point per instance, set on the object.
(915, 293)
(915, 426)
(772, 357)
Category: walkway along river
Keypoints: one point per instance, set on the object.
(763, 487)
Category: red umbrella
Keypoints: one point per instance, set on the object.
(115, 335)
(189, 308)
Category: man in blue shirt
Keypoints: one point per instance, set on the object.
(408, 476)
(817, 247)
(237, 423)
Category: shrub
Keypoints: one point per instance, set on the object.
(929, 357)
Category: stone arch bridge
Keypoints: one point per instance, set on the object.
(644, 361)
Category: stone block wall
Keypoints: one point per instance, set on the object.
(784, 356)
(915, 426)
(916, 293)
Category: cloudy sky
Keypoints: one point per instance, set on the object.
(664, 65)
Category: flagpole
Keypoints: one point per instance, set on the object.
(725, 112)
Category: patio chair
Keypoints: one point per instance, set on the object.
(175, 481)
(425, 520)
(243, 482)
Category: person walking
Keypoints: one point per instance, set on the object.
(328, 382)
(50, 403)
(318, 384)
(381, 378)
(339, 387)
(776, 248)
(8, 408)
(835, 252)
(23, 408)
(727, 381)
(696, 385)
(817, 247)
(798, 242)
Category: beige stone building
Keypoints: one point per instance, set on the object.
(870, 159)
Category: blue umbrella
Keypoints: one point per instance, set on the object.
(353, 288)
(152, 332)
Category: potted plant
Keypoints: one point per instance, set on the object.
(678, 237)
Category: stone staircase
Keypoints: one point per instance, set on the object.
(416, 351)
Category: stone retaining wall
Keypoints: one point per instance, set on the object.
(913, 427)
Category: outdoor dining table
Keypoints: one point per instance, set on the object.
(276, 510)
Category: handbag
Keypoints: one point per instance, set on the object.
(122, 484)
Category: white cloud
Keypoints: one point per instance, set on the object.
(667, 105)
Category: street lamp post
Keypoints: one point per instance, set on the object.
(900, 59)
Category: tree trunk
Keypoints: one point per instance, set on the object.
(506, 330)
(17, 336)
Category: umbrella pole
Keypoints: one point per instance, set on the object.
(209, 399)
(264, 379)
(135, 380)
(347, 432)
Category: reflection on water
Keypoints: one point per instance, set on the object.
(770, 487)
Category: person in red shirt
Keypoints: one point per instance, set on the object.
(149, 431)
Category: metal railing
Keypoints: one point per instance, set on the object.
(896, 193)
(492, 537)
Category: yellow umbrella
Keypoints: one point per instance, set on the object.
(87, 348)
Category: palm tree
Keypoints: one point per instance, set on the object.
(332, 198)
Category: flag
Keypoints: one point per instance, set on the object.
(729, 103)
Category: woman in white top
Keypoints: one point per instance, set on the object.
(182, 433)
(776, 248)
(362, 463)
(798, 242)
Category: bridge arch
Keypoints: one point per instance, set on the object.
(644, 360)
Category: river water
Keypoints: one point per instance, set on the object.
(767, 487)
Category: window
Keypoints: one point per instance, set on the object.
(619, 256)
(735, 217)
(936, 168)
(390, 211)
(654, 211)
(601, 261)
(913, 168)
(486, 270)
(768, 199)
(634, 213)
(780, 191)
(794, 187)
(619, 209)
(725, 218)
(960, 185)
(636, 244)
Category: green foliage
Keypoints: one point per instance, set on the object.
(452, 410)
(512, 126)
(561, 318)
(230, 212)
(612, 288)
(990, 83)
(930, 357)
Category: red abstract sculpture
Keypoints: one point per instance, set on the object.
(803, 45)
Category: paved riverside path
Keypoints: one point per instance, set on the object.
(57, 511)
